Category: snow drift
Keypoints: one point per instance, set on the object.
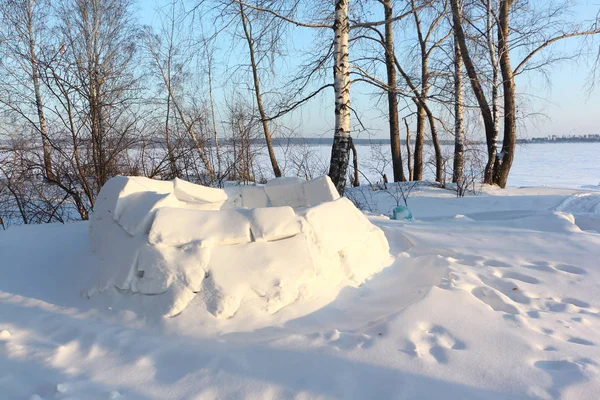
(268, 246)
(585, 208)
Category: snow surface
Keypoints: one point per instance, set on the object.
(494, 296)
(176, 244)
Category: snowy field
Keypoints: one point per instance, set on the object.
(495, 296)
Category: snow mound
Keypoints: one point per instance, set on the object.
(585, 208)
(581, 203)
(260, 246)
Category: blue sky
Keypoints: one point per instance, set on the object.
(559, 103)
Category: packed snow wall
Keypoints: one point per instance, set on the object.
(270, 245)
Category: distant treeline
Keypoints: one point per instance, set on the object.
(376, 141)
(564, 139)
(327, 141)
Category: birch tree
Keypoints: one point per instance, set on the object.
(341, 27)
(459, 131)
(24, 29)
(251, 41)
(537, 29)
(170, 57)
(392, 94)
(99, 45)
(428, 41)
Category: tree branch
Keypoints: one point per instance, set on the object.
(283, 17)
(549, 42)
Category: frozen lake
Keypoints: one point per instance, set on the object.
(560, 164)
(540, 164)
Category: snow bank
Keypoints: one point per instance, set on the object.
(585, 209)
(176, 239)
(581, 203)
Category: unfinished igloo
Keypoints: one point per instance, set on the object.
(271, 245)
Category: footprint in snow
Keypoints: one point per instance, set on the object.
(570, 269)
(497, 264)
(563, 373)
(581, 341)
(575, 302)
(521, 277)
(348, 340)
(543, 266)
(546, 266)
(467, 259)
(557, 365)
(433, 341)
(507, 288)
(491, 298)
(567, 304)
(449, 281)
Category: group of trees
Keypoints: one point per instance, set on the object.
(87, 93)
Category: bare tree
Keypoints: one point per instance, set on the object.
(99, 39)
(537, 29)
(392, 94)
(428, 42)
(169, 60)
(341, 27)
(24, 24)
(208, 50)
(248, 33)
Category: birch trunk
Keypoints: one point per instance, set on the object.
(436, 146)
(408, 152)
(392, 96)
(459, 156)
(263, 117)
(493, 148)
(171, 156)
(505, 158)
(355, 179)
(38, 97)
(484, 106)
(419, 142)
(424, 111)
(213, 117)
(338, 167)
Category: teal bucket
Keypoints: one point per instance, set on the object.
(402, 212)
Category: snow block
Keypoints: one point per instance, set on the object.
(176, 241)
(268, 224)
(320, 190)
(138, 209)
(177, 226)
(190, 193)
(286, 192)
(254, 197)
(334, 222)
(152, 272)
(273, 270)
(234, 197)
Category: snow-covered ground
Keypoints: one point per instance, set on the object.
(495, 296)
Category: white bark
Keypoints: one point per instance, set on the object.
(341, 70)
(458, 117)
(495, 73)
(341, 82)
